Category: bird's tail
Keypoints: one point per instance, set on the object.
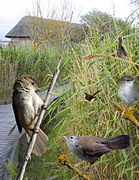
(119, 142)
(40, 145)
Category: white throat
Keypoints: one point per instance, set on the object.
(128, 92)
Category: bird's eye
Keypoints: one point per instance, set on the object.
(32, 83)
(71, 137)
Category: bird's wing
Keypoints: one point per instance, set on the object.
(123, 50)
(16, 113)
(137, 84)
(94, 146)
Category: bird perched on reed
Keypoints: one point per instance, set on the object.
(128, 91)
(91, 148)
(121, 52)
(26, 105)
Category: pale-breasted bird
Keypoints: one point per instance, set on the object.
(26, 105)
(90, 148)
(128, 90)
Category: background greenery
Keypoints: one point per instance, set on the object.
(72, 113)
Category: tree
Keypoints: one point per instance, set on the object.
(103, 22)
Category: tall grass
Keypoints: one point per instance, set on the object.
(40, 63)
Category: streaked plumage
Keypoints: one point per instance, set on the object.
(26, 105)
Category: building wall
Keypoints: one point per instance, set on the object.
(17, 42)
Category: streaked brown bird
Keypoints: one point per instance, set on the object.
(26, 105)
(91, 148)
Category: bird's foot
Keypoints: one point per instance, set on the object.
(44, 107)
(128, 110)
(35, 130)
(65, 161)
(136, 103)
(131, 108)
(123, 112)
(128, 113)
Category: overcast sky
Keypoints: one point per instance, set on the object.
(11, 11)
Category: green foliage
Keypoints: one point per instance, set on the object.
(77, 33)
(104, 24)
(40, 63)
(8, 68)
(12, 169)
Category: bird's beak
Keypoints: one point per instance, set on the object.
(38, 90)
(64, 137)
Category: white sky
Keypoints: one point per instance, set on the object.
(11, 11)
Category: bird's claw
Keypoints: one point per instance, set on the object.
(44, 107)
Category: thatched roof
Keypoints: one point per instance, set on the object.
(28, 24)
(21, 29)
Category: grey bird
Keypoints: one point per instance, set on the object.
(128, 90)
(26, 105)
(91, 148)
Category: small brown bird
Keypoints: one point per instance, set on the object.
(26, 105)
(91, 148)
(89, 97)
(121, 52)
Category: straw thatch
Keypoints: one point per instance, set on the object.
(28, 24)
(21, 30)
